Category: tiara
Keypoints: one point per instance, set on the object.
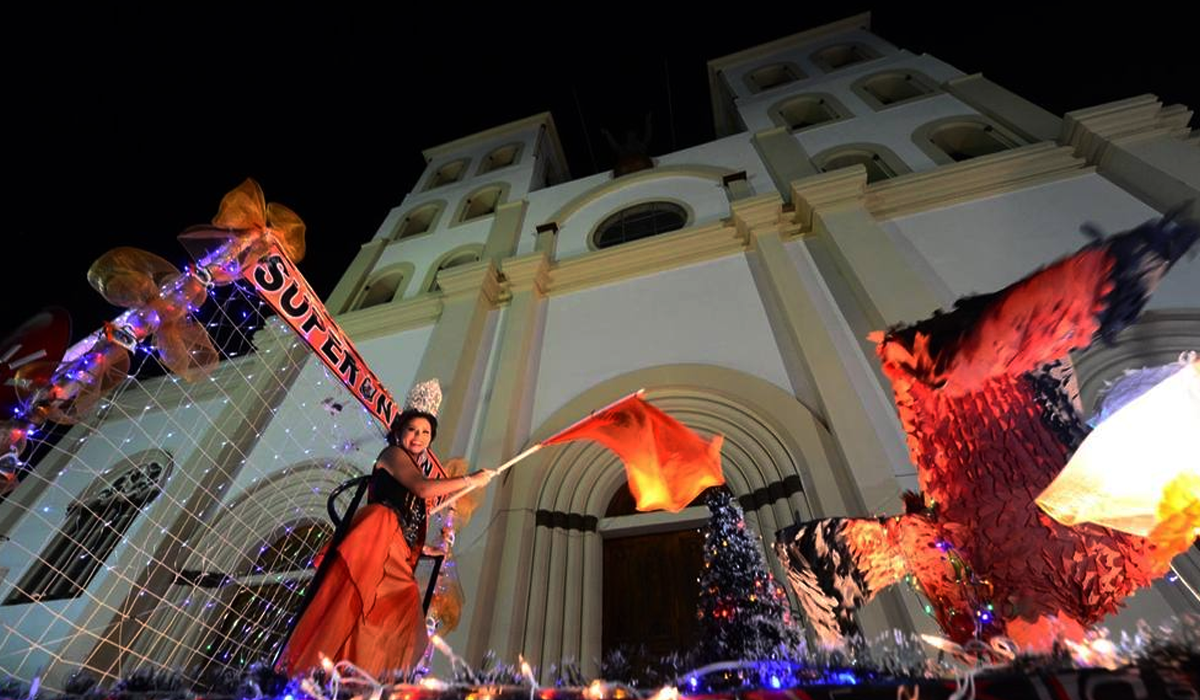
(425, 397)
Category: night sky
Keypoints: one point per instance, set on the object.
(124, 127)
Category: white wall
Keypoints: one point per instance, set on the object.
(126, 432)
(858, 366)
(733, 153)
(709, 313)
(703, 198)
(984, 245)
(544, 203)
(702, 195)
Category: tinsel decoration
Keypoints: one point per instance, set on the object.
(1160, 663)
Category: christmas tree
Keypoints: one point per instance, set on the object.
(743, 611)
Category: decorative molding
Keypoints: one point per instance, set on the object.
(1093, 130)
(526, 272)
(785, 158)
(505, 233)
(1028, 120)
(395, 317)
(556, 519)
(756, 214)
(478, 139)
(859, 21)
(481, 277)
(705, 172)
(381, 243)
(654, 522)
(1157, 338)
(986, 176)
(665, 252)
(838, 189)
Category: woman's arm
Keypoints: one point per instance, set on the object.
(400, 465)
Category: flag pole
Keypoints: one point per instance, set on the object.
(626, 397)
(446, 503)
(537, 446)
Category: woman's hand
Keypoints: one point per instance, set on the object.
(481, 478)
(432, 551)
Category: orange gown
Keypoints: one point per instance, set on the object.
(368, 608)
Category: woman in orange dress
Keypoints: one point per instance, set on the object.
(367, 609)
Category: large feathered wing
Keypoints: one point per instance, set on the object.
(837, 565)
(984, 395)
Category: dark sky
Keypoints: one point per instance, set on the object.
(124, 127)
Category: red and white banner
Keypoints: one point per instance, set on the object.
(285, 289)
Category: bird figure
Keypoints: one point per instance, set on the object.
(986, 396)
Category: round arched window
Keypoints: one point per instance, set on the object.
(640, 221)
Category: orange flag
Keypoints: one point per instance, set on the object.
(667, 464)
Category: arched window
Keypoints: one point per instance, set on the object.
(773, 76)
(893, 87)
(969, 139)
(268, 597)
(417, 221)
(94, 525)
(639, 221)
(841, 55)
(482, 203)
(383, 288)
(809, 110)
(448, 173)
(879, 162)
(501, 157)
(465, 257)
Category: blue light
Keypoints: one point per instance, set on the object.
(289, 696)
(694, 682)
(775, 682)
(845, 678)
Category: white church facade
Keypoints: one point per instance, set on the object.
(852, 185)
